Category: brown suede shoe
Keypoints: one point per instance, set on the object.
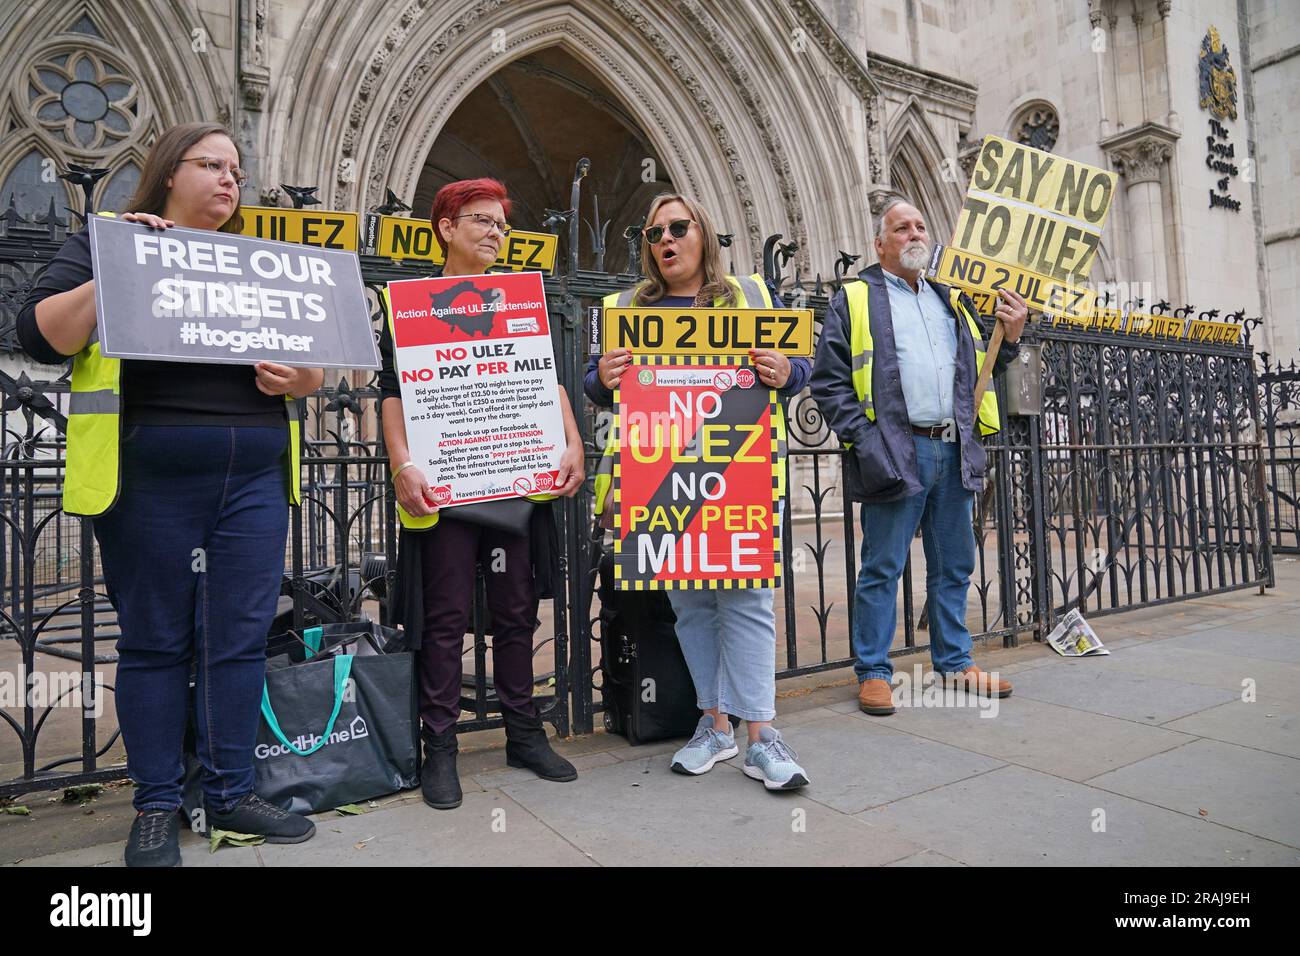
(976, 681)
(875, 697)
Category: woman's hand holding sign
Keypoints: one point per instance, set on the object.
(772, 367)
(148, 219)
(573, 469)
(273, 379)
(573, 463)
(413, 492)
(612, 365)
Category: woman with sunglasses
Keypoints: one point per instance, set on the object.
(728, 636)
(188, 470)
(437, 561)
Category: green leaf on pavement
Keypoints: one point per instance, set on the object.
(217, 837)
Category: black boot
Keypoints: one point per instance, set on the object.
(439, 782)
(527, 747)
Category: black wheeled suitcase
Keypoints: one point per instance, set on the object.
(646, 687)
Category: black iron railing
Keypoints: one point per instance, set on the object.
(1156, 472)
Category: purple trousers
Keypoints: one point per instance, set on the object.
(451, 549)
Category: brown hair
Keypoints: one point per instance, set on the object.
(151, 194)
(715, 287)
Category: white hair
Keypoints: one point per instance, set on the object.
(889, 204)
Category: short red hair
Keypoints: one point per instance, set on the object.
(454, 197)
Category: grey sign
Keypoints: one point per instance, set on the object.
(194, 295)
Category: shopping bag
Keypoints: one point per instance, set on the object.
(337, 729)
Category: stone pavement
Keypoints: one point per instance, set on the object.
(1147, 757)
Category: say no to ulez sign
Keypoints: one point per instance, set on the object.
(1031, 223)
(479, 393)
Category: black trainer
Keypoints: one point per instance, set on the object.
(439, 781)
(154, 839)
(254, 815)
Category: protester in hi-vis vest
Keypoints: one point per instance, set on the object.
(437, 559)
(895, 377)
(728, 636)
(188, 470)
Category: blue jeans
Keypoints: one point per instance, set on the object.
(193, 555)
(728, 637)
(943, 511)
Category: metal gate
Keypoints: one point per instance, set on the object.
(1151, 475)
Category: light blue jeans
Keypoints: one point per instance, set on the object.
(728, 638)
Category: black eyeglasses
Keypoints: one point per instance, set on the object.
(487, 222)
(218, 168)
(677, 227)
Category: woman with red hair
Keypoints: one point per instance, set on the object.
(436, 579)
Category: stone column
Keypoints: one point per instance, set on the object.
(1095, 18)
(1172, 119)
(1141, 162)
(254, 78)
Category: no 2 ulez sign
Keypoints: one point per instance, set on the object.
(479, 393)
(1032, 223)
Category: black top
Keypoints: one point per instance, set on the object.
(389, 386)
(153, 393)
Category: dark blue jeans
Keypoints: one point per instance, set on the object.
(943, 511)
(193, 554)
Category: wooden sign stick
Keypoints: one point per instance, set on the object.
(990, 356)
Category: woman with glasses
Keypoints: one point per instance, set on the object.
(439, 552)
(728, 636)
(188, 470)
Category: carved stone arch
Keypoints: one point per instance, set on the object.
(922, 170)
(728, 132)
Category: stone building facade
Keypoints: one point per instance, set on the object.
(782, 116)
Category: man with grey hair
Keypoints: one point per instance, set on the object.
(895, 378)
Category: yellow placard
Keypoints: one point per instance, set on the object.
(978, 274)
(1157, 326)
(1064, 187)
(1026, 237)
(395, 237)
(1108, 320)
(307, 227)
(707, 331)
(1221, 332)
(985, 302)
(1034, 210)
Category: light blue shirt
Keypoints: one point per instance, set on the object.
(926, 341)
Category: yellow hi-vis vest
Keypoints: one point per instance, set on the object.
(860, 344)
(94, 456)
(409, 521)
(752, 293)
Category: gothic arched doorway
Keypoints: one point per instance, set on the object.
(528, 124)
